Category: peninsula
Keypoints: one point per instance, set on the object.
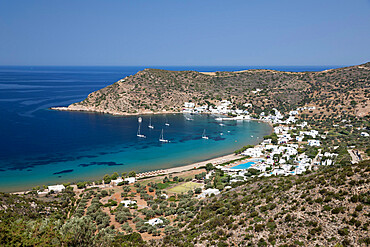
(152, 91)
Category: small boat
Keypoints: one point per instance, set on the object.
(189, 119)
(138, 130)
(161, 138)
(204, 135)
(221, 134)
(221, 124)
(150, 126)
(166, 123)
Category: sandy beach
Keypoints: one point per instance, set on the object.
(214, 161)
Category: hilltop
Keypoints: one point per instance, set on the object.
(333, 92)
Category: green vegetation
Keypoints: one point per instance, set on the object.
(185, 187)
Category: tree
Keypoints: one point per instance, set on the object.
(124, 174)
(114, 176)
(78, 231)
(107, 179)
(209, 167)
(166, 180)
(132, 174)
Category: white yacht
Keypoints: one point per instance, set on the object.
(204, 135)
(150, 126)
(161, 138)
(138, 130)
(166, 123)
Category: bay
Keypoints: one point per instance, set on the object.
(40, 146)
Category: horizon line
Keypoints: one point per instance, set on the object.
(179, 65)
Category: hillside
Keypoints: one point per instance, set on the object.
(333, 92)
(327, 207)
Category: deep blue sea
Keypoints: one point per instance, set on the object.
(39, 146)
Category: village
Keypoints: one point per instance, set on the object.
(154, 199)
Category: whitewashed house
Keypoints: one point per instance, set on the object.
(314, 143)
(130, 180)
(299, 138)
(209, 192)
(56, 188)
(253, 152)
(115, 182)
(154, 222)
(365, 134)
(128, 203)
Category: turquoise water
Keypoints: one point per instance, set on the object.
(131, 153)
(39, 146)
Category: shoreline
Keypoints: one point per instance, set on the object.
(88, 110)
(196, 165)
(179, 169)
(114, 113)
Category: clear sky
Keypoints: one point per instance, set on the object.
(184, 32)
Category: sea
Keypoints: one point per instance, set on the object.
(39, 146)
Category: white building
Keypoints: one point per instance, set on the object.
(189, 105)
(312, 133)
(154, 222)
(312, 142)
(56, 188)
(299, 138)
(277, 172)
(365, 134)
(209, 192)
(165, 196)
(128, 203)
(130, 180)
(253, 152)
(115, 182)
(257, 90)
(302, 125)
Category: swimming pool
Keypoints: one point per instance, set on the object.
(244, 166)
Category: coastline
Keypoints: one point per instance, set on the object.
(114, 113)
(179, 169)
(196, 165)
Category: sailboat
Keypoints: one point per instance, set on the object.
(150, 126)
(204, 135)
(161, 138)
(166, 123)
(138, 130)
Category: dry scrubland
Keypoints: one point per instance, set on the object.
(335, 92)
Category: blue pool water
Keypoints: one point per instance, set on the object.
(39, 146)
(244, 166)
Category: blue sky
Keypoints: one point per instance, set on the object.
(201, 32)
